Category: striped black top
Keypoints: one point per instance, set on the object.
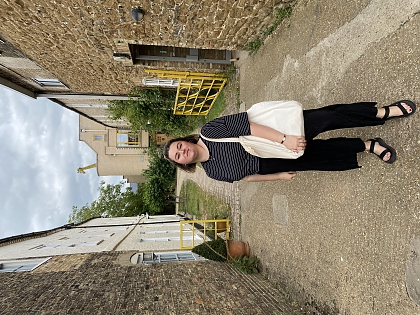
(228, 161)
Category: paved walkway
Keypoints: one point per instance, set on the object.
(339, 242)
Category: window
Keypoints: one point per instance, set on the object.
(105, 229)
(43, 246)
(86, 244)
(48, 82)
(181, 256)
(127, 138)
(151, 258)
(166, 225)
(38, 247)
(102, 235)
(21, 265)
(161, 82)
(161, 139)
(170, 239)
(155, 232)
(98, 137)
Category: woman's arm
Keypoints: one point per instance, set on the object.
(270, 177)
(291, 142)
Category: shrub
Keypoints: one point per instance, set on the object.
(152, 110)
(245, 264)
(213, 250)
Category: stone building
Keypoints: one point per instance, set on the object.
(95, 47)
(83, 53)
(106, 266)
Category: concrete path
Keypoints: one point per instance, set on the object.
(340, 242)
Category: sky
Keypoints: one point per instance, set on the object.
(40, 152)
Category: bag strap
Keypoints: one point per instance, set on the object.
(220, 139)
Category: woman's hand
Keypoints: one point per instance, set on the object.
(292, 142)
(295, 142)
(286, 175)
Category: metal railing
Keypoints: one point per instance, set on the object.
(202, 227)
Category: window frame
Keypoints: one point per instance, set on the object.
(128, 143)
(99, 137)
(150, 258)
(49, 82)
(22, 265)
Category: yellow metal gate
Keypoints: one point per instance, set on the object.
(197, 91)
(203, 228)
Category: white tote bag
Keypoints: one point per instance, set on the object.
(283, 116)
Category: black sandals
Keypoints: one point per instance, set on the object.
(399, 105)
(387, 149)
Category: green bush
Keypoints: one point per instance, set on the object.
(152, 110)
(160, 182)
(245, 264)
(253, 46)
(213, 250)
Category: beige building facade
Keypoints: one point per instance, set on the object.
(119, 151)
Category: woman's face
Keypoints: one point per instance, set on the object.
(182, 152)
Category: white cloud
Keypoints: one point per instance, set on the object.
(40, 155)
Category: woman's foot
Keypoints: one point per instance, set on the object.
(398, 109)
(383, 151)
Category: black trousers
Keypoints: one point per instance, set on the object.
(335, 154)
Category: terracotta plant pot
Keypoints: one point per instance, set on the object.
(237, 249)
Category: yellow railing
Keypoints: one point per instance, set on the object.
(205, 226)
(197, 91)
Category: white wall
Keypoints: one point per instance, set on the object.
(156, 233)
(85, 238)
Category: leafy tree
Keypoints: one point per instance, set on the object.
(160, 182)
(152, 110)
(112, 202)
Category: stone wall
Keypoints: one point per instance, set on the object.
(76, 39)
(104, 283)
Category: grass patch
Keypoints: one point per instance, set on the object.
(280, 14)
(202, 205)
(232, 85)
(217, 108)
(215, 111)
(253, 46)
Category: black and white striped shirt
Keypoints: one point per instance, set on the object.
(228, 161)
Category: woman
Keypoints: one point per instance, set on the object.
(228, 161)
